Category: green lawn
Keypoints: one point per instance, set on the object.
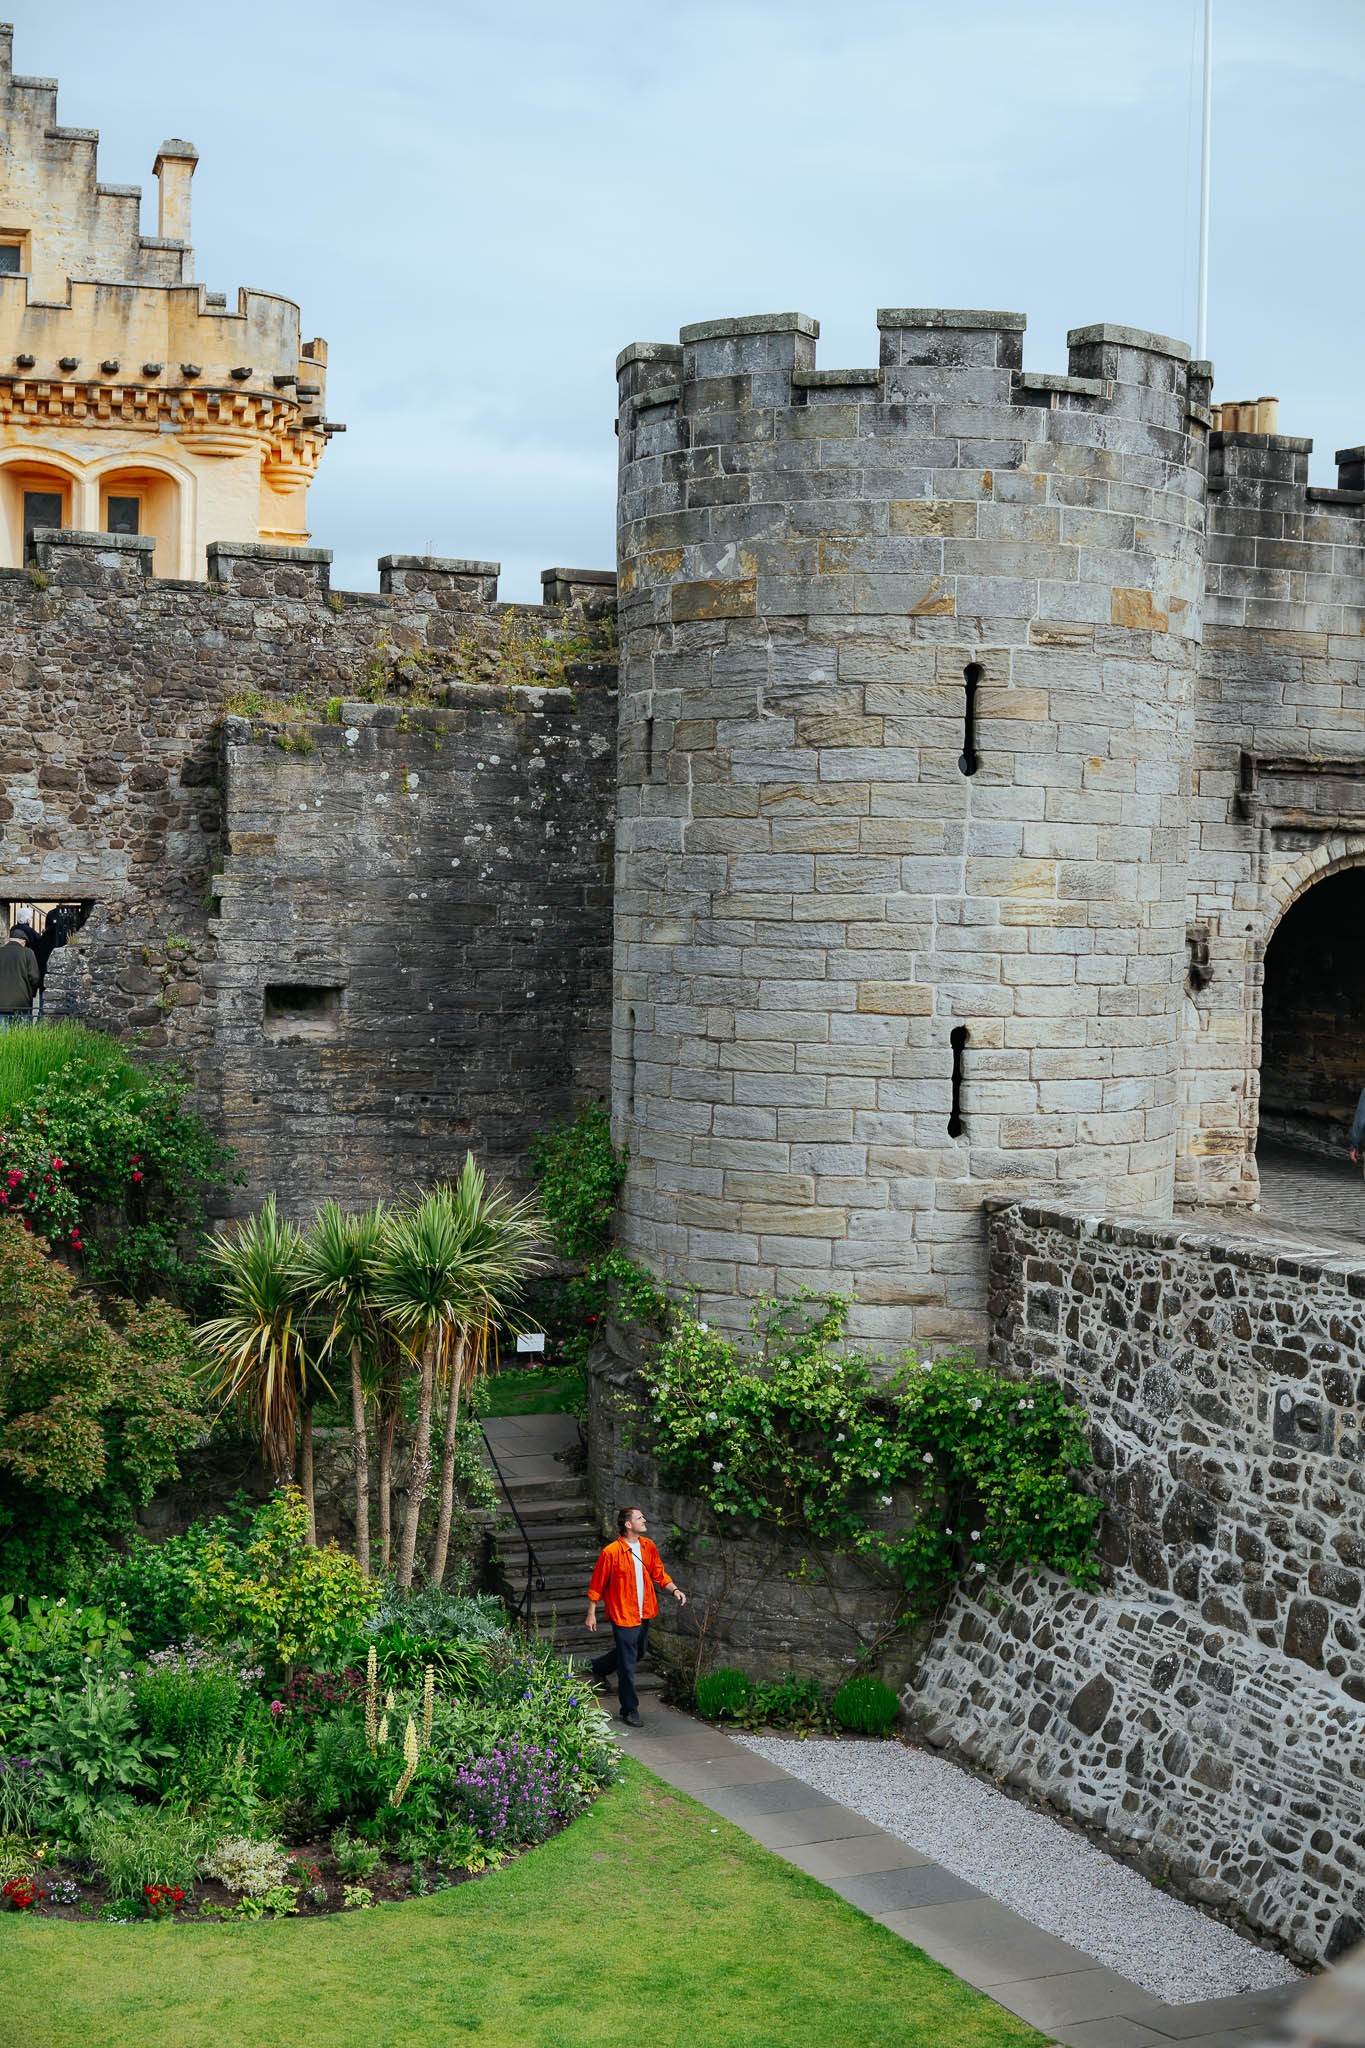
(649, 1924)
(517, 1392)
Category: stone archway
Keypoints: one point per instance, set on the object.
(1312, 1063)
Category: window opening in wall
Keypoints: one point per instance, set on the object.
(968, 760)
(296, 1011)
(957, 1039)
(11, 259)
(50, 923)
(649, 749)
(41, 508)
(124, 515)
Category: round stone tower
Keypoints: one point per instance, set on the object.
(907, 661)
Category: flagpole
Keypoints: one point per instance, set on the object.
(1205, 186)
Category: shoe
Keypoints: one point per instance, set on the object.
(632, 1720)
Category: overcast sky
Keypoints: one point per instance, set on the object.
(479, 204)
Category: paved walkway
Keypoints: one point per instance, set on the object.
(1045, 1981)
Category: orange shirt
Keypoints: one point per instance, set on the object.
(613, 1580)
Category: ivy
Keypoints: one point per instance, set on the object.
(943, 1470)
(579, 1176)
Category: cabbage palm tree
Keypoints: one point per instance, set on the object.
(259, 1345)
(337, 1262)
(446, 1265)
(501, 1238)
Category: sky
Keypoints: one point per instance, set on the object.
(479, 205)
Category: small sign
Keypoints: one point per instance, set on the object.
(534, 1340)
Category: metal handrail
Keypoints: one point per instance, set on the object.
(534, 1571)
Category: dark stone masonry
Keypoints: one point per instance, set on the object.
(1206, 1706)
(377, 931)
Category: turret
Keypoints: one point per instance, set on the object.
(906, 727)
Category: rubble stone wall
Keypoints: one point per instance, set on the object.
(378, 932)
(1206, 1705)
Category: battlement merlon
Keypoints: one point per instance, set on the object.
(928, 355)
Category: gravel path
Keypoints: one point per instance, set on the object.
(1033, 1864)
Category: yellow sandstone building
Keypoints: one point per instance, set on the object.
(132, 400)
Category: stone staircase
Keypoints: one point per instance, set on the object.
(552, 1502)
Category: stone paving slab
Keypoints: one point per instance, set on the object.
(997, 1944)
(852, 1855)
(1074, 2001)
(880, 1892)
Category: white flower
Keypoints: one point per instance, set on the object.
(928, 1458)
(976, 1535)
(877, 1444)
(704, 1326)
(840, 1438)
(717, 1468)
(926, 1365)
(711, 1415)
(876, 1475)
(974, 1403)
(886, 1500)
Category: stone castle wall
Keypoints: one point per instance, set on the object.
(1206, 1706)
(424, 885)
(1279, 772)
(907, 706)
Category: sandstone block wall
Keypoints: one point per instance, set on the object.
(1279, 779)
(906, 734)
(1208, 1705)
(444, 873)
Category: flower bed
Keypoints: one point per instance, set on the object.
(311, 1743)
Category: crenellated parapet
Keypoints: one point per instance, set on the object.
(907, 723)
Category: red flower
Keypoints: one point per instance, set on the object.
(137, 1176)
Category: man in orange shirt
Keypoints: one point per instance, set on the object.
(624, 1577)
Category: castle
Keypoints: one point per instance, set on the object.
(131, 399)
(954, 870)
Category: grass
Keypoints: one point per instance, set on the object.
(31, 1056)
(648, 1921)
(515, 1391)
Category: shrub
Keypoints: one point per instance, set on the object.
(102, 1157)
(723, 1695)
(509, 1796)
(95, 1409)
(98, 1755)
(191, 1705)
(867, 1705)
(788, 1702)
(47, 1648)
(801, 1434)
(251, 1868)
(290, 1601)
(354, 1858)
(149, 1845)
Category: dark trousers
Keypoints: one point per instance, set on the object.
(628, 1646)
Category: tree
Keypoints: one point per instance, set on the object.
(337, 1267)
(260, 1344)
(96, 1405)
(446, 1265)
(501, 1239)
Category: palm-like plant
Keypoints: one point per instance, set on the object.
(502, 1238)
(446, 1268)
(337, 1264)
(259, 1345)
